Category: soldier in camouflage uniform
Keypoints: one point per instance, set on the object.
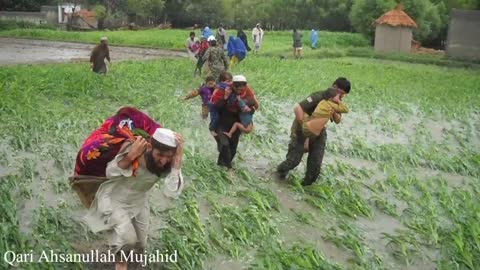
(316, 147)
(215, 56)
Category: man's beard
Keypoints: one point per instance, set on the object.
(153, 167)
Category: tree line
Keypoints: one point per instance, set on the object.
(431, 16)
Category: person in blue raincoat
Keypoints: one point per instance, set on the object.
(207, 32)
(314, 38)
(236, 50)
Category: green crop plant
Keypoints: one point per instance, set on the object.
(277, 257)
(422, 170)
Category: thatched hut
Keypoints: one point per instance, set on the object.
(393, 31)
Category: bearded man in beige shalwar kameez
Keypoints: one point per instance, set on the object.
(120, 205)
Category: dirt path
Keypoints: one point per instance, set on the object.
(28, 51)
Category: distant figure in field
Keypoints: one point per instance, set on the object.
(222, 37)
(241, 35)
(236, 50)
(98, 55)
(314, 38)
(192, 44)
(206, 32)
(215, 56)
(297, 43)
(201, 51)
(257, 35)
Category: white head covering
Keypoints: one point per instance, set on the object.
(165, 136)
(239, 78)
(103, 39)
(210, 38)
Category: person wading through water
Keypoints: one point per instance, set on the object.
(98, 55)
(114, 172)
(226, 104)
(216, 59)
(316, 147)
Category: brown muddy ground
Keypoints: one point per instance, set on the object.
(29, 51)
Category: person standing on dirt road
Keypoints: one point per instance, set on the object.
(98, 55)
(317, 146)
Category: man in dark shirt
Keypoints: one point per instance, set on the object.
(97, 58)
(316, 146)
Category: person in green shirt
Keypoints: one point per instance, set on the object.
(316, 148)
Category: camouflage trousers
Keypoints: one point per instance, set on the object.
(296, 150)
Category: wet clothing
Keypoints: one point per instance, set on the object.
(241, 35)
(121, 203)
(206, 32)
(236, 49)
(201, 51)
(221, 37)
(257, 35)
(246, 118)
(206, 93)
(297, 40)
(104, 143)
(217, 61)
(316, 147)
(192, 46)
(229, 113)
(313, 125)
(214, 115)
(314, 39)
(97, 57)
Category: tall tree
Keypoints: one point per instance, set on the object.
(365, 12)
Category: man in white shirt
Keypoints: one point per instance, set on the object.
(192, 44)
(257, 35)
(121, 203)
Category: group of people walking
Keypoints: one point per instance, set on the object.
(209, 47)
(122, 160)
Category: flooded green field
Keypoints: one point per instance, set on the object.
(399, 187)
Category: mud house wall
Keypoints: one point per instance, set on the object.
(20, 16)
(463, 39)
(392, 39)
(51, 14)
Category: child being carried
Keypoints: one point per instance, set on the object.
(314, 124)
(246, 119)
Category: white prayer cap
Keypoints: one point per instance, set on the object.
(103, 39)
(165, 136)
(239, 78)
(210, 38)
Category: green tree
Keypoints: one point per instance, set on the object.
(365, 12)
(145, 10)
(25, 5)
(101, 13)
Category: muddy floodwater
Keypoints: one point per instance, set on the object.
(27, 51)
